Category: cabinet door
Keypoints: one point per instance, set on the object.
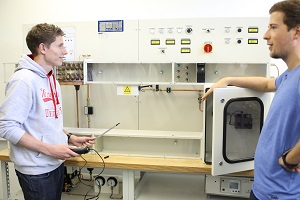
(238, 116)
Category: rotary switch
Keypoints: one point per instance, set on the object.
(207, 48)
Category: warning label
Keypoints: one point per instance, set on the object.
(127, 89)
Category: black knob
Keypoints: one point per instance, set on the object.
(189, 30)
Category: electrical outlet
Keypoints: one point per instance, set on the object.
(99, 180)
(110, 182)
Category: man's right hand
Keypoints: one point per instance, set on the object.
(223, 83)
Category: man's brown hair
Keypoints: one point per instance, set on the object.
(291, 10)
(42, 33)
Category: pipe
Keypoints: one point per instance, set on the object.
(88, 104)
(77, 87)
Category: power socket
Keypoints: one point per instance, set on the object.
(109, 181)
(112, 182)
(99, 181)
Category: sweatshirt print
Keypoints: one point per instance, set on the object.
(32, 105)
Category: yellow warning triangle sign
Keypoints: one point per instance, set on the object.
(127, 89)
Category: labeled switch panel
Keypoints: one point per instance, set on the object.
(110, 26)
(204, 40)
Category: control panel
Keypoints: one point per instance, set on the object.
(228, 185)
(167, 51)
(206, 40)
(186, 40)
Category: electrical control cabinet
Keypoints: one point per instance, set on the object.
(177, 51)
(190, 55)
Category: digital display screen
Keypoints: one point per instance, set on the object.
(252, 41)
(185, 41)
(170, 42)
(252, 30)
(185, 50)
(155, 42)
(233, 185)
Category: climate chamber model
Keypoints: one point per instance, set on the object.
(233, 121)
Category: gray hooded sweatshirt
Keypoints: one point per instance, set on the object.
(32, 105)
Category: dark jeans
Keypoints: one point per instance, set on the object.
(46, 186)
(252, 196)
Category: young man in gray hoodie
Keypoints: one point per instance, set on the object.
(31, 117)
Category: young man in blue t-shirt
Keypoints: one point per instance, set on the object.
(278, 150)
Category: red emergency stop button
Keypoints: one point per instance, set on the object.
(208, 48)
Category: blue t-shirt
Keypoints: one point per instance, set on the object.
(281, 131)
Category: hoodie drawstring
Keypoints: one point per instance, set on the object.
(53, 93)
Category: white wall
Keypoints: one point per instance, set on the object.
(15, 13)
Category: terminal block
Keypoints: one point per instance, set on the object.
(70, 73)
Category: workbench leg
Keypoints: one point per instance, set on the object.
(140, 185)
(5, 180)
(128, 185)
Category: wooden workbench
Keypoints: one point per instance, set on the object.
(128, 164)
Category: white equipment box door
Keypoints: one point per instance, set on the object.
(238, 116)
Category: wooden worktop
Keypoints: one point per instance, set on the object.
(139, 163)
